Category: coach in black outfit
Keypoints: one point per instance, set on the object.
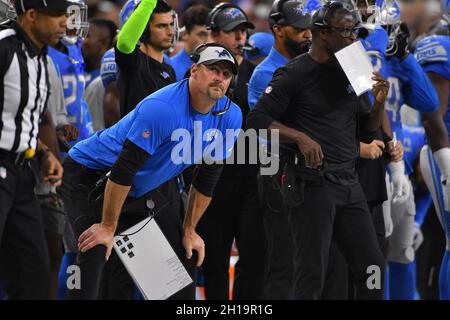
(320, 115)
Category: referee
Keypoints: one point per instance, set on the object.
(320, 115)
(24, 91)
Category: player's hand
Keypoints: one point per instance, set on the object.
(52, 170)
(395, 150)
(97, 234)
(400, 182)
(192, 241)
(372, 151)
(380, 89)
(71, 132)
(311, 150)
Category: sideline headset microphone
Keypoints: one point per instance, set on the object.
(321, 19)
(196, 57)
(210, 21)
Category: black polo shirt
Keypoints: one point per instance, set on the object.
(315, 99)
(140, 76)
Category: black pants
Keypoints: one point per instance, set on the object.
(24, 261)
(279, 262)
(234, 213)
(117, 284)
(340, 212)
(376, 212)
(279, 267)
(429, 257)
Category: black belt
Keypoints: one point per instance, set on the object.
(18, 158)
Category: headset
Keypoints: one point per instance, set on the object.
(195, 56)
(210, 24)
(278, 16)
(321, 18)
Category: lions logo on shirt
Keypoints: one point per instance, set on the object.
(165, 75)
(211, 134)
(268, 90)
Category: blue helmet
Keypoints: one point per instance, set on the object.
(108, 68)
(77, 22)
(126, 11)
(7, 12)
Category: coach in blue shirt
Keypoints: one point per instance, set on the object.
(167, 132)
(292, 38)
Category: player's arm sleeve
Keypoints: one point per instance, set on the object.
(419, 92)
(207, 177)
(256, 86)
(274, 102)
(130, 160)
(134, 27)
(434, 56)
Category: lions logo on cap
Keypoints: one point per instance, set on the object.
(299, 8)
(231, 13)
(223, 53)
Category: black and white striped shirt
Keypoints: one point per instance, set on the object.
(24, 89)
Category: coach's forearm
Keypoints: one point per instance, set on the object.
(115, 195)
(197, 205)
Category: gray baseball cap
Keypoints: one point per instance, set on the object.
(213, 54)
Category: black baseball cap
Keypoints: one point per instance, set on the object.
(57, 5)
(291, 13)
(229, 18)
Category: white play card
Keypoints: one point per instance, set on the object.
(151, 261)
(357, 67)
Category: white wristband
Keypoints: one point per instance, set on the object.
(442, 157)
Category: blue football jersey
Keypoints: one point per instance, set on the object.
(413, 141)
(409, 85)
(433, 54)
(70, 69)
